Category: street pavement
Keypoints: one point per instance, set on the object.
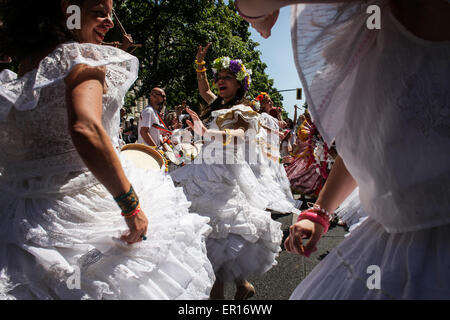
(280, 281)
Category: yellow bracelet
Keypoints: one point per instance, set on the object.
(200, 71)
(229, 137)
(200, 63)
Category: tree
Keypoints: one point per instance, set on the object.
(171, 32)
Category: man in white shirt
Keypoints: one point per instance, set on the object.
(147, 133)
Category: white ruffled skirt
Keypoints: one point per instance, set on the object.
(373, 264)
(245, 241)
(275, 184)
(68, 247)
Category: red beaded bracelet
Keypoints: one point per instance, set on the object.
(132, 213)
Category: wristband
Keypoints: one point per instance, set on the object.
(128, 202)
(315, 217)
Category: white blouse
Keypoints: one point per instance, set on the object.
(383, 96)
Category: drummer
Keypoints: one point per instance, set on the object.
(147, 133)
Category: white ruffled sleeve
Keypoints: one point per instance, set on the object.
(328, 42)
(225, 118)
(23, 93)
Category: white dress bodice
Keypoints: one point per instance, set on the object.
(383, 96)
(35, 139)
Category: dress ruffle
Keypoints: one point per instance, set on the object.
(412, 265)
(350, 210)
(43, 240)
(23, 93)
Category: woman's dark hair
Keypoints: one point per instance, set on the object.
(218, 103)
(30, 26)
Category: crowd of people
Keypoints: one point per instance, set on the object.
(73, 206)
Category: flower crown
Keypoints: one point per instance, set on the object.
(262, 96)
(243, 75)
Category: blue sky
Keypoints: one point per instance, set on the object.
(276, 52)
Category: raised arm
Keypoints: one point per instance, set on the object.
(202, 79)
(263, 14)
(84, 90)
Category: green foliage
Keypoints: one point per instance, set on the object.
(171, 31)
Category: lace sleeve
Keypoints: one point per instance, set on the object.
(24, 93)
(328, 41)
(7, 76)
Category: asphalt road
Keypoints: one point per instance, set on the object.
(279, 282)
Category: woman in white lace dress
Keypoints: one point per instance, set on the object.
(62, 235)
(222, 186)
(376, 77)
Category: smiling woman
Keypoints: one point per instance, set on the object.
(95, 20)
(69, 200)
(28, 33)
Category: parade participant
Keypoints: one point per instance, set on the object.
(149, 134)
(381, 93)
(64, 186)
(245, 240)
(301, 172)
(268, 169)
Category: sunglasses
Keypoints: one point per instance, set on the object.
(225, 78)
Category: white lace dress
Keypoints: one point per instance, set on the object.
(383, 96)
(245, 241)
(268, 169)
(59, 227)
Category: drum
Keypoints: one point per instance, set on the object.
(143, 156)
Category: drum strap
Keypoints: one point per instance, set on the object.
(163, 127)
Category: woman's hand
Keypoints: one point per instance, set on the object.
(264, 25)
(201, 52)
(127, 41)
(304, 229)
(198, 127)
(137, 225)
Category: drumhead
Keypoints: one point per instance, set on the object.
(143, 156)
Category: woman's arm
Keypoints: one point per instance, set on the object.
(84, 90)
(256, 8)
(199, 128)
(263, 14)
(338, 186)
(202, 79)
